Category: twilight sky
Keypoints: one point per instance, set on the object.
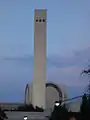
(68, 39)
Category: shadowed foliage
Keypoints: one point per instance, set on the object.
(30, 108)
(85, 108)
(3, 115)
(59, 113)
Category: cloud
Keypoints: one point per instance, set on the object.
(68, 69)
(16, 72)
(69, 76)
(63, 69)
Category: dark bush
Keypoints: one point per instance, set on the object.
(3, 114)
(37, 109)
(29, 108)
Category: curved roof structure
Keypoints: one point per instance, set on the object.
(56, 87)
(54, 92)
(62, 87)
(28, 94)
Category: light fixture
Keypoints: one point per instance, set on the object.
(25, 117)
(57, 104)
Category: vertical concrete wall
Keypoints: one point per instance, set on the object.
(39, 82)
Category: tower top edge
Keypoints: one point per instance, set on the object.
(40, 10)
(42, 13)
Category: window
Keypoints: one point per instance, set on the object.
(43, 20)
(36, 20)
(39, 20)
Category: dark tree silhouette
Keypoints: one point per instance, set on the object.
(3, 115)
(85, 108)
(84, 104)
(59, 113)
(87, 72)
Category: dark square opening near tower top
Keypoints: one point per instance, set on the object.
(40, 20)
(36, 20)
(43, 20)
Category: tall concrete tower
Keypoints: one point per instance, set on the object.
(39, 82)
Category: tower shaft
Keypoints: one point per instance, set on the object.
(39, 82)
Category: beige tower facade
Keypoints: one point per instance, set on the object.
(39, 82)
